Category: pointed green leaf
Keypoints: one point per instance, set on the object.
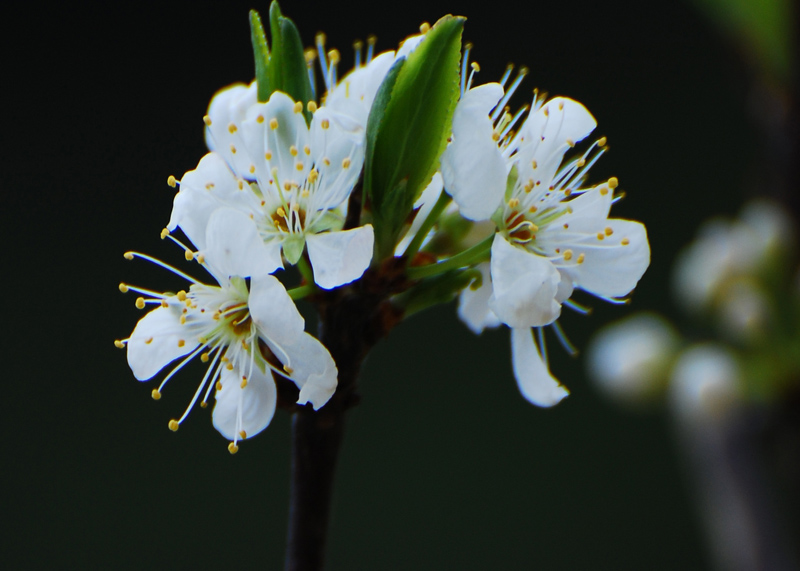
(287, 70)
(261, 55)
(412, 130)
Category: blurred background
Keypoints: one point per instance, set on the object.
(444, 464)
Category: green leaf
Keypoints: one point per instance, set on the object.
(261, 55)
(287, 69)
(409, 131)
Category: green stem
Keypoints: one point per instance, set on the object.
(301, 291)
(305, 270)
(433, 217)
(466, 258)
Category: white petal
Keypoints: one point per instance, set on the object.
(611, 266)
(549, 133)
(272, 129)
(356, 91)
(473, 304)
(156, 342)
(210, 186)
(525, 286)
(533, 378)
(313, 370)
(273, 311)
(338, 154)
(473, 169)
(235, 248)
(227, 111)
(409, 45)
(249, 409)
(340, 257)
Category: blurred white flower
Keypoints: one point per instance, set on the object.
(629, 360)
(705, 383)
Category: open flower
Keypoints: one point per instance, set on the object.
(246, 332)
(553, 234)
(302, 177)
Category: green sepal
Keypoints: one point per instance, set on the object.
(409, 131)
(293, 247)
(261, 55)
(287, 70)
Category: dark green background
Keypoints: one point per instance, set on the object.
(445, 465)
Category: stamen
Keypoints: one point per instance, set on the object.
(564, 340)
(174, 425)
(577, 307)
(523, 71)
(162, 264)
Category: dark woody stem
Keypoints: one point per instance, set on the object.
(352, 319)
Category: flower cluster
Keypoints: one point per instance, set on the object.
(277, 189)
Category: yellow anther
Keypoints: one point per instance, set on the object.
(568, 192)
(209, 185)
(581, 258)
(307, 150)
(601, 142)
(183, 320)
(207, 120)
(334, 56)
(495, 136)
(311, 106)
(123, 288)
(566, 226)
(232, 128)
(203, 404)
(608, 231)
(295, 207)
(293, 151)
(243, 383)
(181, 295)
(201, 258)
(273, 123)
(569, 209)
(171, 181)
(268, 156)
(240, 184)
(299, 166)
(475, 66)
(242, 434)
(513, 203)
(232, 448)
(346, 163)
(600, 236)
(119, 344)
(424, 27)
(164, 303)
(567, 255)
(164, 233)
(570, 142)
(534, 164)
(371, 40)
(233, 149)
(281, 212)
(325, 124)
(625, 242)
(560, 105)
(326, 161)
(288, 369)
(613, 183)
(532, 209)
(604, 190)
(298, 107)
(155, 394)
(189, 255)
(287, 186)
(181, 342)
(204, 357)
(128, 255)
(533, 227)
(173, 425)
(229, 366)
(260, 119)
(310, 55)
(581, 163)
(218, 386)
(140, 303)
(546, 112)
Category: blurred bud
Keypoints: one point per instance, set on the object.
(772, 227)
(743, 312)
(705, 383)
(629, 360)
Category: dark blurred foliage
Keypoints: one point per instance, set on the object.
(444, 465)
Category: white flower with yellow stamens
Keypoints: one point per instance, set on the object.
(302, 177)
(553, 235)
(246, 332)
